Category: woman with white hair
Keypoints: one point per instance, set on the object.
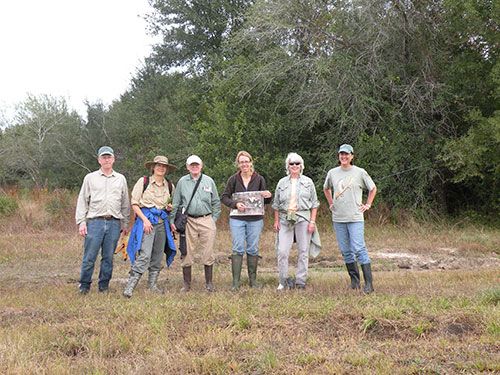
(295, 207)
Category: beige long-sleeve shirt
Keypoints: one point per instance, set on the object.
(103, 195)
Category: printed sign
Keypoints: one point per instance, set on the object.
(253, 201)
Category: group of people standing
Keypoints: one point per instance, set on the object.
(103, 212)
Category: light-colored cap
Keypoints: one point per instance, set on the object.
(159, 159)
(346, 148)
(193, 159)
(105, 150)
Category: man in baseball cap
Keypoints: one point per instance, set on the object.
(194, 159)
(203, 212)
(105, 150)
(102, 211)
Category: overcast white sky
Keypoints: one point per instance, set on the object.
(78, 49)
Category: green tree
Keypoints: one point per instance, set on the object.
(475, 162)
(153, 117)
(192, 32)
(39, 143)
(321, 73)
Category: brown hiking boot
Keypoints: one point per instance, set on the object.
(186, 274)
(209, 286)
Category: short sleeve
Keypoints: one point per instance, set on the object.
(137, 192)
(369, 184)
(328, 183)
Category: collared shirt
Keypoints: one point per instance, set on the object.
(307, 198)
(103, 195)
(155, 195)
(205, 200)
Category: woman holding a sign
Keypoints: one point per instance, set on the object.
(295, 207)
(245, 194)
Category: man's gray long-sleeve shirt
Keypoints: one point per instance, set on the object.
(103, 195)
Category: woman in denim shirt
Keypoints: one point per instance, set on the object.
(295, 207)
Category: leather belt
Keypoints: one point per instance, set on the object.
(106, 217)
(198, 216)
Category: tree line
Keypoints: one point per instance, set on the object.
(414, 86)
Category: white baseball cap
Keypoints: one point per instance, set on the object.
(193, 159)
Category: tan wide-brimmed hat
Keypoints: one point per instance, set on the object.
(160, 160)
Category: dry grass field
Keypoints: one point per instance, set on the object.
(435, 309)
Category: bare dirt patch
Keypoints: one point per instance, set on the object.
(438, 258)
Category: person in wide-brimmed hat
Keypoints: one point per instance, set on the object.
(160, 160)
(151, 235)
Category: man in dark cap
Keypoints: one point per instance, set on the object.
(102, 212)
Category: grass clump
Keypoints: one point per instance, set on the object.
(267, 361)
(421, 328)
(369, 324)
(491, 296)
(8, 205)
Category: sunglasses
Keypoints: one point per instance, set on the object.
(294, 163)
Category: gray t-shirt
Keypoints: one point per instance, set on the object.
(347, 191)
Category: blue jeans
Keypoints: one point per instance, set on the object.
(101, 235)
(246, 231)
(351, 240)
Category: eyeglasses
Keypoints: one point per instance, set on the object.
(294, 163)
(244, 162)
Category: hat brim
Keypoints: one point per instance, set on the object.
(151, 164)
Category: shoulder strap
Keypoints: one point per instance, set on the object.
(194, 191)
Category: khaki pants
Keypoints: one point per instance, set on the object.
(150, 255)
(303, 238)
(200, 239)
